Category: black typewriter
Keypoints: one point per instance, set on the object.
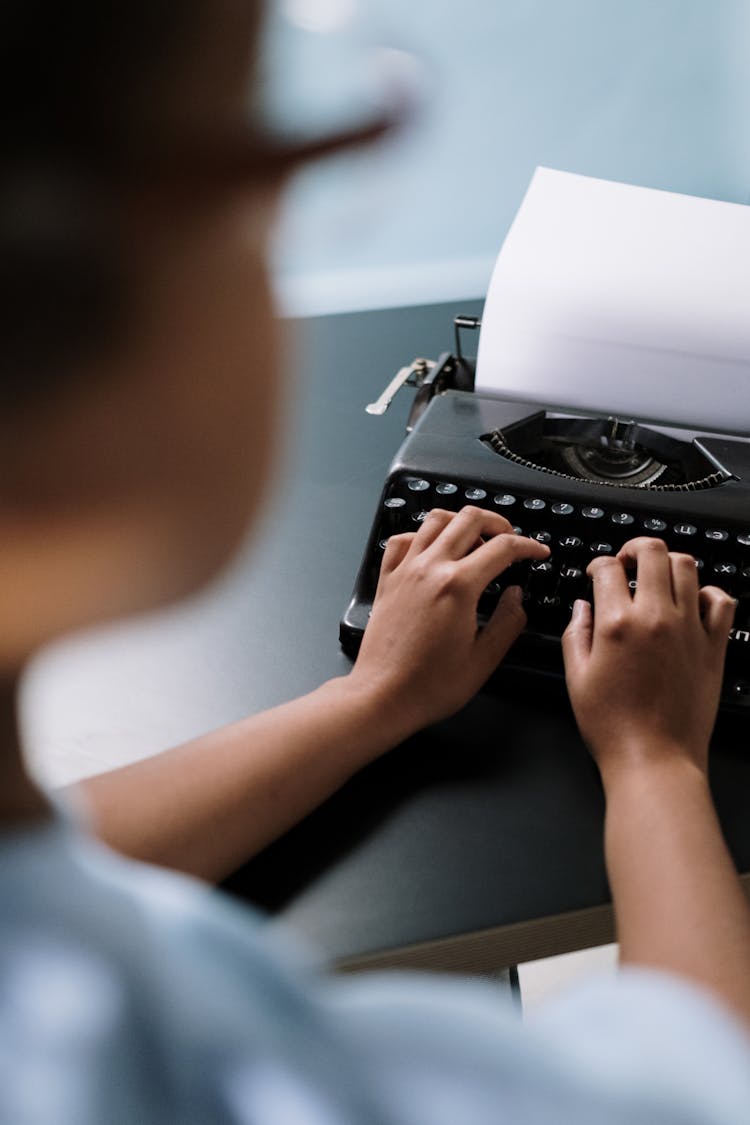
(582, 485)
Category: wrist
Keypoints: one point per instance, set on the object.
(664, 766)
(377, 722)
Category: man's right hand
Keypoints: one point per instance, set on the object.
(644, 671)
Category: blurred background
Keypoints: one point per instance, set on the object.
(651, 92)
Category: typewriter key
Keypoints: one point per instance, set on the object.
(743, 540)
(475, 494)
(419, 485)
(685, 529)
(724, 569)
(446, 489)
(622, 518)
(563, 509)
(592, 513)
(716, 535)
(655, 524)
(395, 502)
(542, 537)
(601, 548)
(571, 573)
(571, 542)
(534, 505)
(505, 500)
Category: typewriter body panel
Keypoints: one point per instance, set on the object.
(584, 486)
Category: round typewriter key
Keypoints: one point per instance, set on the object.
(475, 494)
(383, 544)
(572, 573)
(446, 489)
(542, 537)
(699, 564)
(655, 524)
(419, 517)
(395, 502)
(505, 500)
(592, 513)
(419, 485)
(518, 530)
(571, 542)
(601, 548)
(534, 505)
(746, 572)
(685, 529)
(743, 540)
(622, 518)
(716, 535)
(544, 567)
(724, 569)
(563, 509)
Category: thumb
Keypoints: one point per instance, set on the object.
(577, 638)
(505, 625)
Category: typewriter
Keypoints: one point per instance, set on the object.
(608, 303)
(581, 484)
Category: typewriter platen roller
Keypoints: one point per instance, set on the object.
(582, 485)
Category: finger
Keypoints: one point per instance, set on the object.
(577, 638)
(610, 585)
(654, 572)
(469, 525)
(434, 522)
(684, 581)
(717, 613)
(503, 628)
(497, 554)
(395, 551)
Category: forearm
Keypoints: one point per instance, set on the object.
(678, 901)
(209, 805)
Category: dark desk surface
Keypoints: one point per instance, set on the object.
(488, 825)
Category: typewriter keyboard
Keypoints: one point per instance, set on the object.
(575, 533)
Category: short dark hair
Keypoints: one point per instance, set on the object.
(77, 79)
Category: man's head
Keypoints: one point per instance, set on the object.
(138, 368)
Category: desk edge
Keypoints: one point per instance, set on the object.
(486, 951)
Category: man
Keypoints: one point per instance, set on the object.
(136, 204)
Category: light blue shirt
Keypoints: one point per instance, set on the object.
(130, 996)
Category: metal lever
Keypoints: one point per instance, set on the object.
(415, 372)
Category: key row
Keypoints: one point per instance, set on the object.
(504, 501)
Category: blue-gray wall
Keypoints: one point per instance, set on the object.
(654, 92)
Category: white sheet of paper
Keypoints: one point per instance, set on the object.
(613, 299)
